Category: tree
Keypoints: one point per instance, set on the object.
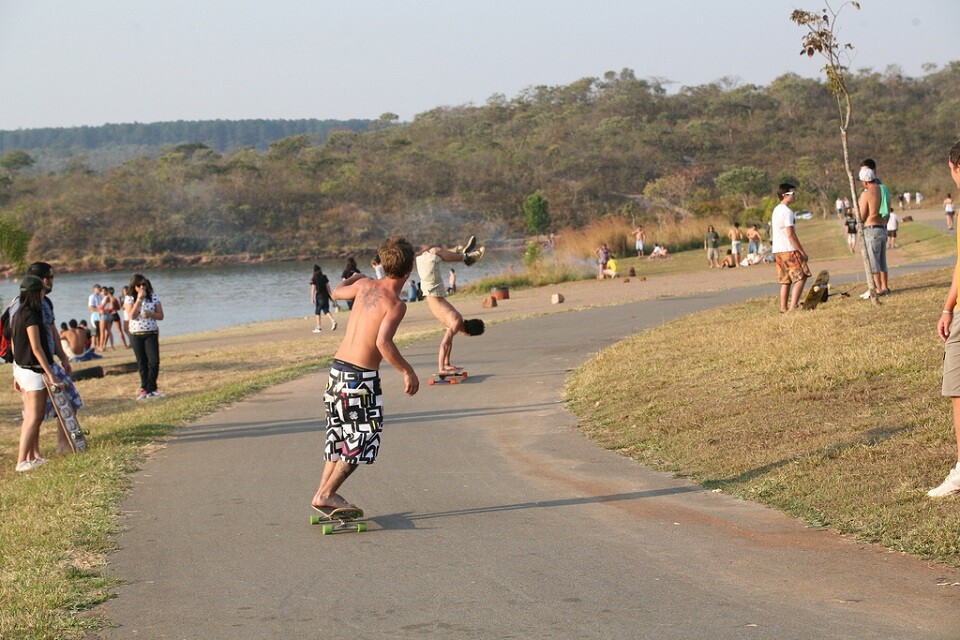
(16, 160)
(821, 38)
(14, 241)
(537, 211)
(744, 182)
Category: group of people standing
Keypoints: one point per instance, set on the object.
(36, 344)
(106, 312)
(735, 256)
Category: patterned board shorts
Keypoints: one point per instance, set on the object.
(791, 267)
(354, 407)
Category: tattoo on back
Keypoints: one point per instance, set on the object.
(371, 298)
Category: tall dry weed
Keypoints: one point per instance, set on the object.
(617, 233)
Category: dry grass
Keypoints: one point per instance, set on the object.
(832, 415)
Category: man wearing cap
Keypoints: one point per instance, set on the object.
(874, 227)
(791, 259)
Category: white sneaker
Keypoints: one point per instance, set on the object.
(865, 295)
(317, 329)
(950, 485)
(333, 327)
(26, 465)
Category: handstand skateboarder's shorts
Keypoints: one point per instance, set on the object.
(354, 407)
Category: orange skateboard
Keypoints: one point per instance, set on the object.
(448, 378)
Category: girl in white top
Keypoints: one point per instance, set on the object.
(948, 211)
(144, 308)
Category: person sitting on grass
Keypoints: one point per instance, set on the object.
(611, 270)
(431, 281)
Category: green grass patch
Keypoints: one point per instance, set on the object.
(834, 416)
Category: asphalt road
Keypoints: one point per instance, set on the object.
(491, 516)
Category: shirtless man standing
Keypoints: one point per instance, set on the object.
(353, 398)
(428, 267)
(874, 231)
(736, 243)
(640, 236)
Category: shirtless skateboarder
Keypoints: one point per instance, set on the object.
(353, 398)
(428, 267)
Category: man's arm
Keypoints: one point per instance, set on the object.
(791, 233)
(346, 289)
(388, 328)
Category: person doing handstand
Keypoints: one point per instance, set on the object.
(428, 267)
(353, 399)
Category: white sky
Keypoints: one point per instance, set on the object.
(89, 62)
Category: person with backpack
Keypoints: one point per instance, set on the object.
(33, 359)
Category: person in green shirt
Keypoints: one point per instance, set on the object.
(711, 242)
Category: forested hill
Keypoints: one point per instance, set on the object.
(616, 145)
(112, 144)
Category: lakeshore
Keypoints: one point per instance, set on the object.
(211, 370)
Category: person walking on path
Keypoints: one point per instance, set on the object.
(948, 211)
(851, 223)
(948, 329)
(431, 281)
(320, 297)
(711, 244)
(353, 399)
(144, 308)
(791, 259)
(873, 215)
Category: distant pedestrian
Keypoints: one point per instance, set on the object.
(452, 282)
(851, 223)
(948, 329)
(349, 269)
(639, 236)
(791, 259)
(378, 272)
(893, 223)
(736, 243)
(754, 240)
(320, 295)
(948, 211)
(145, 310)
(603, 255)
(711, 244)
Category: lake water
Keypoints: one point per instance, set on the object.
(206, 298)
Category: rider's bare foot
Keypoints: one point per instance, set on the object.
(330, 502)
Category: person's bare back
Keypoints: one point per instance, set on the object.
(870, 205)
(376, 315)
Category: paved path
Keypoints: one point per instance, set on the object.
(492, 517)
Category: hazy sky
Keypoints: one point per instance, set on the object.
(88, 62)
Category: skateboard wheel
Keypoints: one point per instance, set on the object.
(453, 381)
(432, 381)
(314, 519)
(327, 529)
(361, 527)
(464, 375)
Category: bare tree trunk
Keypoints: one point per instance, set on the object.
(844, 120)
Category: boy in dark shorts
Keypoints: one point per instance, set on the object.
(353, 398)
